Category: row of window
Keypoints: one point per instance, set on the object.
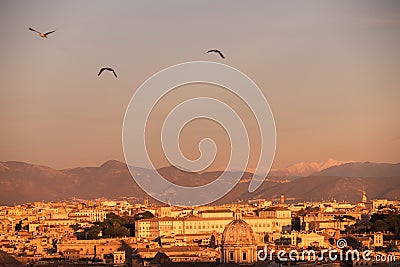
(232, 258)
(212, 226)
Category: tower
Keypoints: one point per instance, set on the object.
(364, 197)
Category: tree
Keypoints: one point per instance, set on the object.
(393, 222)
(76, 227)
(114, 218)
(113, 226)
(144, 215)
(352, 242)
(296, 224)
(116, 231)
(313, 226)
(93, 232)
(378, 223)
(350, 229)
(387, 222)
(380, 226)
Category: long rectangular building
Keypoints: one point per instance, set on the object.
(155, 227)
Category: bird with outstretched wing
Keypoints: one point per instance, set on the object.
(216, 51)
(108, 69)
(43, 35)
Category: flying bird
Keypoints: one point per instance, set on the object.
(216, 51)
(109, 69)
(43, 35)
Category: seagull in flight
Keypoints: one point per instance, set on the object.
(216, 51)
(43, 35)
(109, 69)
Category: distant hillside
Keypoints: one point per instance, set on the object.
(22, 182)
(303, 169)
(339, 188)
(365, 169)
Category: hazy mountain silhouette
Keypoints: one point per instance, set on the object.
(362, 169)
(339, 188)
(22, 182)
(303, 169)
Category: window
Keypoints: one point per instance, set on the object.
(231, 256)
(244, 256)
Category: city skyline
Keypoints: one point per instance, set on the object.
(104, 232)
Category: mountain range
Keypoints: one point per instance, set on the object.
(302, 169)
(23, 182)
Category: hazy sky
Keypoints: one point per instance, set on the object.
(329, 69)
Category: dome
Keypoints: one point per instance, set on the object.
(238, 232)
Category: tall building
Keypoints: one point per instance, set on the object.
(238, 243)
(364, 197)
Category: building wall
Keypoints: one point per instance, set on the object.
(239, 254)
(152, 228)
(94, 215)
(378, 239)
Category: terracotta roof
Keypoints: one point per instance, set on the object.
(8, 260)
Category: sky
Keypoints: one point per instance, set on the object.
(330, 71)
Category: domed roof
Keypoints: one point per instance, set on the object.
(238, 232)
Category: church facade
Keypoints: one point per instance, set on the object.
(238, 243)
